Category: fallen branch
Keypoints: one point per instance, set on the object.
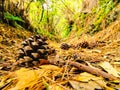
(94, 71)
(85, 68)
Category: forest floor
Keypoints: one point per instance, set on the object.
(102, 51)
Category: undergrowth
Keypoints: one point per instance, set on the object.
(59, 19)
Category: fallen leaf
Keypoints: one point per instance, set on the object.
(85, 77)
(91, 85)
(55, 87)
(27, 78)
(49, 67)
(109, 68)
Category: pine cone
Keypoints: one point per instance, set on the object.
(65, 46)
(33, 50)
(83, 44)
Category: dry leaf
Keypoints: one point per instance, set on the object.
(55, 87)
(27, 78)
(109, 68)
(75, 85)
(91, 85)
(85, 77)
(49, 67)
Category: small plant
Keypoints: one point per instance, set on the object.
(52, 18)
(9, 16)
(13, 19)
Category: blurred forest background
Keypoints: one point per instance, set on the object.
(58, 19)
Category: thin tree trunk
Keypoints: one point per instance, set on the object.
(2, 9)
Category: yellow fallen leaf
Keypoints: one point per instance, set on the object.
(26, 78)
(109, 68)
(50, 67)
(55, 87)
(85, 77)
(91, 85)
(92, 81)
(102, 84)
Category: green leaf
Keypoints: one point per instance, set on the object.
(9, 16)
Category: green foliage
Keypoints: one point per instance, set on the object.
(59, 19)
(52, 18)
(13, 19)
(9, 16)
(104, 8)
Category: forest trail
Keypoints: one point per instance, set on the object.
(101, 51)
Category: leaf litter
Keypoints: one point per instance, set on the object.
(56, 77)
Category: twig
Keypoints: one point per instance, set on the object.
(85, 68)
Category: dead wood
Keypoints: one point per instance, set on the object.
(94, 71)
